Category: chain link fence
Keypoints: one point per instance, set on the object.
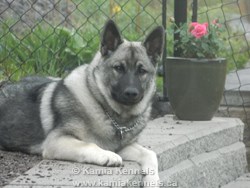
(52, 37)
(235, 14)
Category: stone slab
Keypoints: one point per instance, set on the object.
(237, 88)
(210, 170)
(237, 97)
(69, 174)
(241, 182)
(178, 140)
(238, 79)
(183, 149)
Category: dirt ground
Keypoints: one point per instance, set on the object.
(13, 164)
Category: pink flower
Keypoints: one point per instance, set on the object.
(198, 30)
(216, 22)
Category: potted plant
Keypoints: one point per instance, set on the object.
(195, 81)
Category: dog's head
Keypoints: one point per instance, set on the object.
(128, 68)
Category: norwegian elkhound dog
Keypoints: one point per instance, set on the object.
(95, 114)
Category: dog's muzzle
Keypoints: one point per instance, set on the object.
(130, 96)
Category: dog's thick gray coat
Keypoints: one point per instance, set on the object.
(73, 118)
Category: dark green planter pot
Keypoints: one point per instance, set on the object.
(195, 86)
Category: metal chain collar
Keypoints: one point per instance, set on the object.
(120, 131)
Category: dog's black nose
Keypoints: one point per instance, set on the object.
(131, 93)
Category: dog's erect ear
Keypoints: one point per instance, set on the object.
(111, 38)
(154, 42)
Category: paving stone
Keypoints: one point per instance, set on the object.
(241, 182)
(190, 154)
(208, 170)
(61, 173)
(202, 136)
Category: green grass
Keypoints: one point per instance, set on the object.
(159, 84)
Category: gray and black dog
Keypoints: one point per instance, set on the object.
(95, 114)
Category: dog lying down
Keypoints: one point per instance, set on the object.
(95, 114)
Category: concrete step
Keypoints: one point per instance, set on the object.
(241, 182)
(190, 154)
(175, 141)
(209, 170)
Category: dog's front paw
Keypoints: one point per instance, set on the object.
(108, 158)
(151, 181)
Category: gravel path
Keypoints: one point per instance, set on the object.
(13, 164)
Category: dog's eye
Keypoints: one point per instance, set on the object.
(142, 71)
(119, 68)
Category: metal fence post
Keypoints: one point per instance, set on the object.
(194, 7)
(180, 15)
(164, 54)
